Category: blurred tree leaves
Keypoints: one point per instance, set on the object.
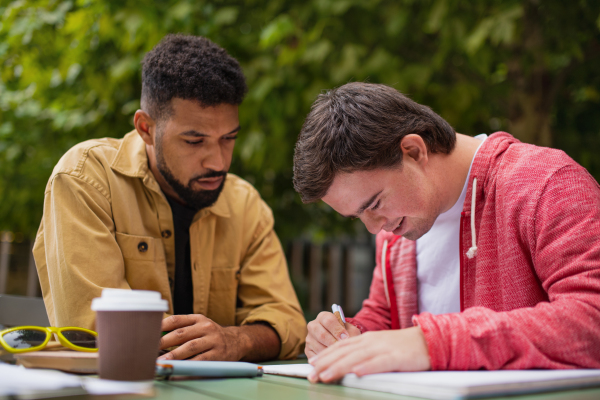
(71, 71)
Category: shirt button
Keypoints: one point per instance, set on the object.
(166, 234)
(143, 247)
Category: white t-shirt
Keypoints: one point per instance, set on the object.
(438, 259)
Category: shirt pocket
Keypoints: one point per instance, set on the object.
(145, 265)
(140, 248)
(222, 300)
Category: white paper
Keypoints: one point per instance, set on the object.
(457, 384)
(295, 370)
(18, 380)
(97, 386)
(465, 384)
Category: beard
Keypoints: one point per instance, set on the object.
(196, 199)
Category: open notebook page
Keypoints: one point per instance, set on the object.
(443, 385)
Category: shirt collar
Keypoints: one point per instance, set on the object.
(132, 160)
(221, 206)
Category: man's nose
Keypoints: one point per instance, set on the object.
(374, 224)
(214, 160)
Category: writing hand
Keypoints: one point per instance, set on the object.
(324, 331)
(371, 353)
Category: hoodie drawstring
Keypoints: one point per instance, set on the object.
(384, 271)
(473, 250)
(388, 281)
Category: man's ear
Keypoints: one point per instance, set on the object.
(145, 126)
(414, 146)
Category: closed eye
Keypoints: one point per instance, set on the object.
(376, 205)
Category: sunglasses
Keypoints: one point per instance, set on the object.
(21, 339)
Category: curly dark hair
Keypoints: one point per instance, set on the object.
(190, 68)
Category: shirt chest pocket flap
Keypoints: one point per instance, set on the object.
(145, 265)
(140, 248)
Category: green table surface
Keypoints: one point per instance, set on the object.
(279, 387)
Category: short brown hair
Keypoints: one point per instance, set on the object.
(359, 126)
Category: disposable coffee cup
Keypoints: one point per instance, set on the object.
(128, 324)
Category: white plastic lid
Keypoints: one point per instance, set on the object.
(129, 300)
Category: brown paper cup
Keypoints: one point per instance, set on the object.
(128, 344)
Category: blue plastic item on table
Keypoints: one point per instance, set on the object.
(208, 369)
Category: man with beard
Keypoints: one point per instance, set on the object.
(157, 210)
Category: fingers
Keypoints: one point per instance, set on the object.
(352, 330)
(309, 353)
(209, 355)
(326, 329)
(337, 361)
(346, 364)
(179, 321)
(183, 331)
(176, 337)
(329, 352)
(313, 346)
(330, 322)
(374, 365)
(192, 348)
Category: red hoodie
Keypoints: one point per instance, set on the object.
(530, 294)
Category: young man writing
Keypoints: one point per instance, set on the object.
(157, 210)
(488, 249)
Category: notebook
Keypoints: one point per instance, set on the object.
(68, 361)
(445, 385)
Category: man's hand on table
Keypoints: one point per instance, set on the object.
(200, 338)
(371, 353)
(324, 331)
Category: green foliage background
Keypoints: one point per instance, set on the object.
(71, 71)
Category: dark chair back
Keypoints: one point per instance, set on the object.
(21, 310)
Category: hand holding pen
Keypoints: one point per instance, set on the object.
(327, 329)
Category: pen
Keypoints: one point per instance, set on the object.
(339, 313)
(211, 369)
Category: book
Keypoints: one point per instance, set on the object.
(446, 385)
(68, 361)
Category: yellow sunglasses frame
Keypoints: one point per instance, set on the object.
(49, 331)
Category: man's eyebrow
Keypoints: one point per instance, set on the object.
(234, 131)
(364, 206)
(195, 133)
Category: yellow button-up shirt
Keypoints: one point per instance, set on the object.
(107, 224)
